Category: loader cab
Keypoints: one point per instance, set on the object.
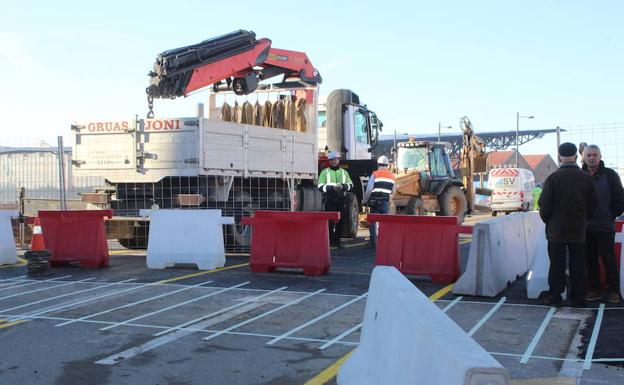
(429, 159)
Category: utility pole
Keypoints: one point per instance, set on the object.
(518, 131)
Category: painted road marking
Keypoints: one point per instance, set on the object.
(538, 336)
(203, 272)
(191, 322)
(174, 306)
(49, 310)
(263, 315)
(340, 337)
(594, 337)
(138, 302)
(486, 316)
(42, 289)
(275, 340)
(452, 303)
(23, 284)
(21, 262)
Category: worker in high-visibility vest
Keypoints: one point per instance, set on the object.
(334, 182)
(378, 192)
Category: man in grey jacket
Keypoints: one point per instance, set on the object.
(599, 240)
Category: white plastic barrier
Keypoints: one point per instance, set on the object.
(537, 279)
(501, 250)
(8, 252)
(186, 236)
(407, 340)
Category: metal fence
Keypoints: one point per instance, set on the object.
(33, 165)
(608, 136)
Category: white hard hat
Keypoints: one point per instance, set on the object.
(383, 160)
(333, 155)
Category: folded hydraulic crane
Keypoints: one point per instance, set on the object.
(237, 59)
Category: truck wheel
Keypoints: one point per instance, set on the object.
(242, 233)
(415, 206)
(453, 203)
(139, 238)
(352, 222)
(311, 200)
(494, 213)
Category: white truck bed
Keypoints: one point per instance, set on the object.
(148, 150)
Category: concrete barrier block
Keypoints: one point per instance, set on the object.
(186, 237)
(501, 251)
(8, 251)
(408, 340)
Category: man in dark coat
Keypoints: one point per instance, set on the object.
(600, 235)
(567, 201)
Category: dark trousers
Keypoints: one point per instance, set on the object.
(378, 206)
(335, 228)
(577, 264)
(600, 244)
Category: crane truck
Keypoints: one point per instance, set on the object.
(211, 162)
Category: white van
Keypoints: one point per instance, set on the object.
(512, 190)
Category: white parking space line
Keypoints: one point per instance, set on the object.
(26, 283)
(12, 279)
(57, 297)
(451, 304)
(263, 315)
(594, 337)
(196, 320)
(186, 287)
(42, 289)
(160, 341)
(487, 316)
(322, 316)
(65, 306)
(538, 335)
(175, 306)
(340, 337)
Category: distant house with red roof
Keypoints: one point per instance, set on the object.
(502, 159)
(542, 166)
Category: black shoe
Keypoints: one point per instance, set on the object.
(552, 300)
(578, 303)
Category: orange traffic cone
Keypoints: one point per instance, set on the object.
(37, 236)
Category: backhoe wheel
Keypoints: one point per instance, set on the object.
(453, 203)
(415, 206)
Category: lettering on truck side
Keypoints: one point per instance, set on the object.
(123, 126)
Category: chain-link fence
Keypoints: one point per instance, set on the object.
(608, 136)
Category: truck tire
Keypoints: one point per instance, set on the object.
(139, 238)
(453, 203)
(415, 206)
(352, 222)
(311, 200)
(242, 233)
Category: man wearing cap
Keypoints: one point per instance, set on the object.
(334, 182)
(378, 191)
(567, 201)
(600, 237)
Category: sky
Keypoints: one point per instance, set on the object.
(415, 63)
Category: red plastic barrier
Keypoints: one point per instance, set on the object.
(76, 236)
(291, 240)
(420, 245)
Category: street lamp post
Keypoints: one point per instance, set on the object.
(440, 129)
(518, 131)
